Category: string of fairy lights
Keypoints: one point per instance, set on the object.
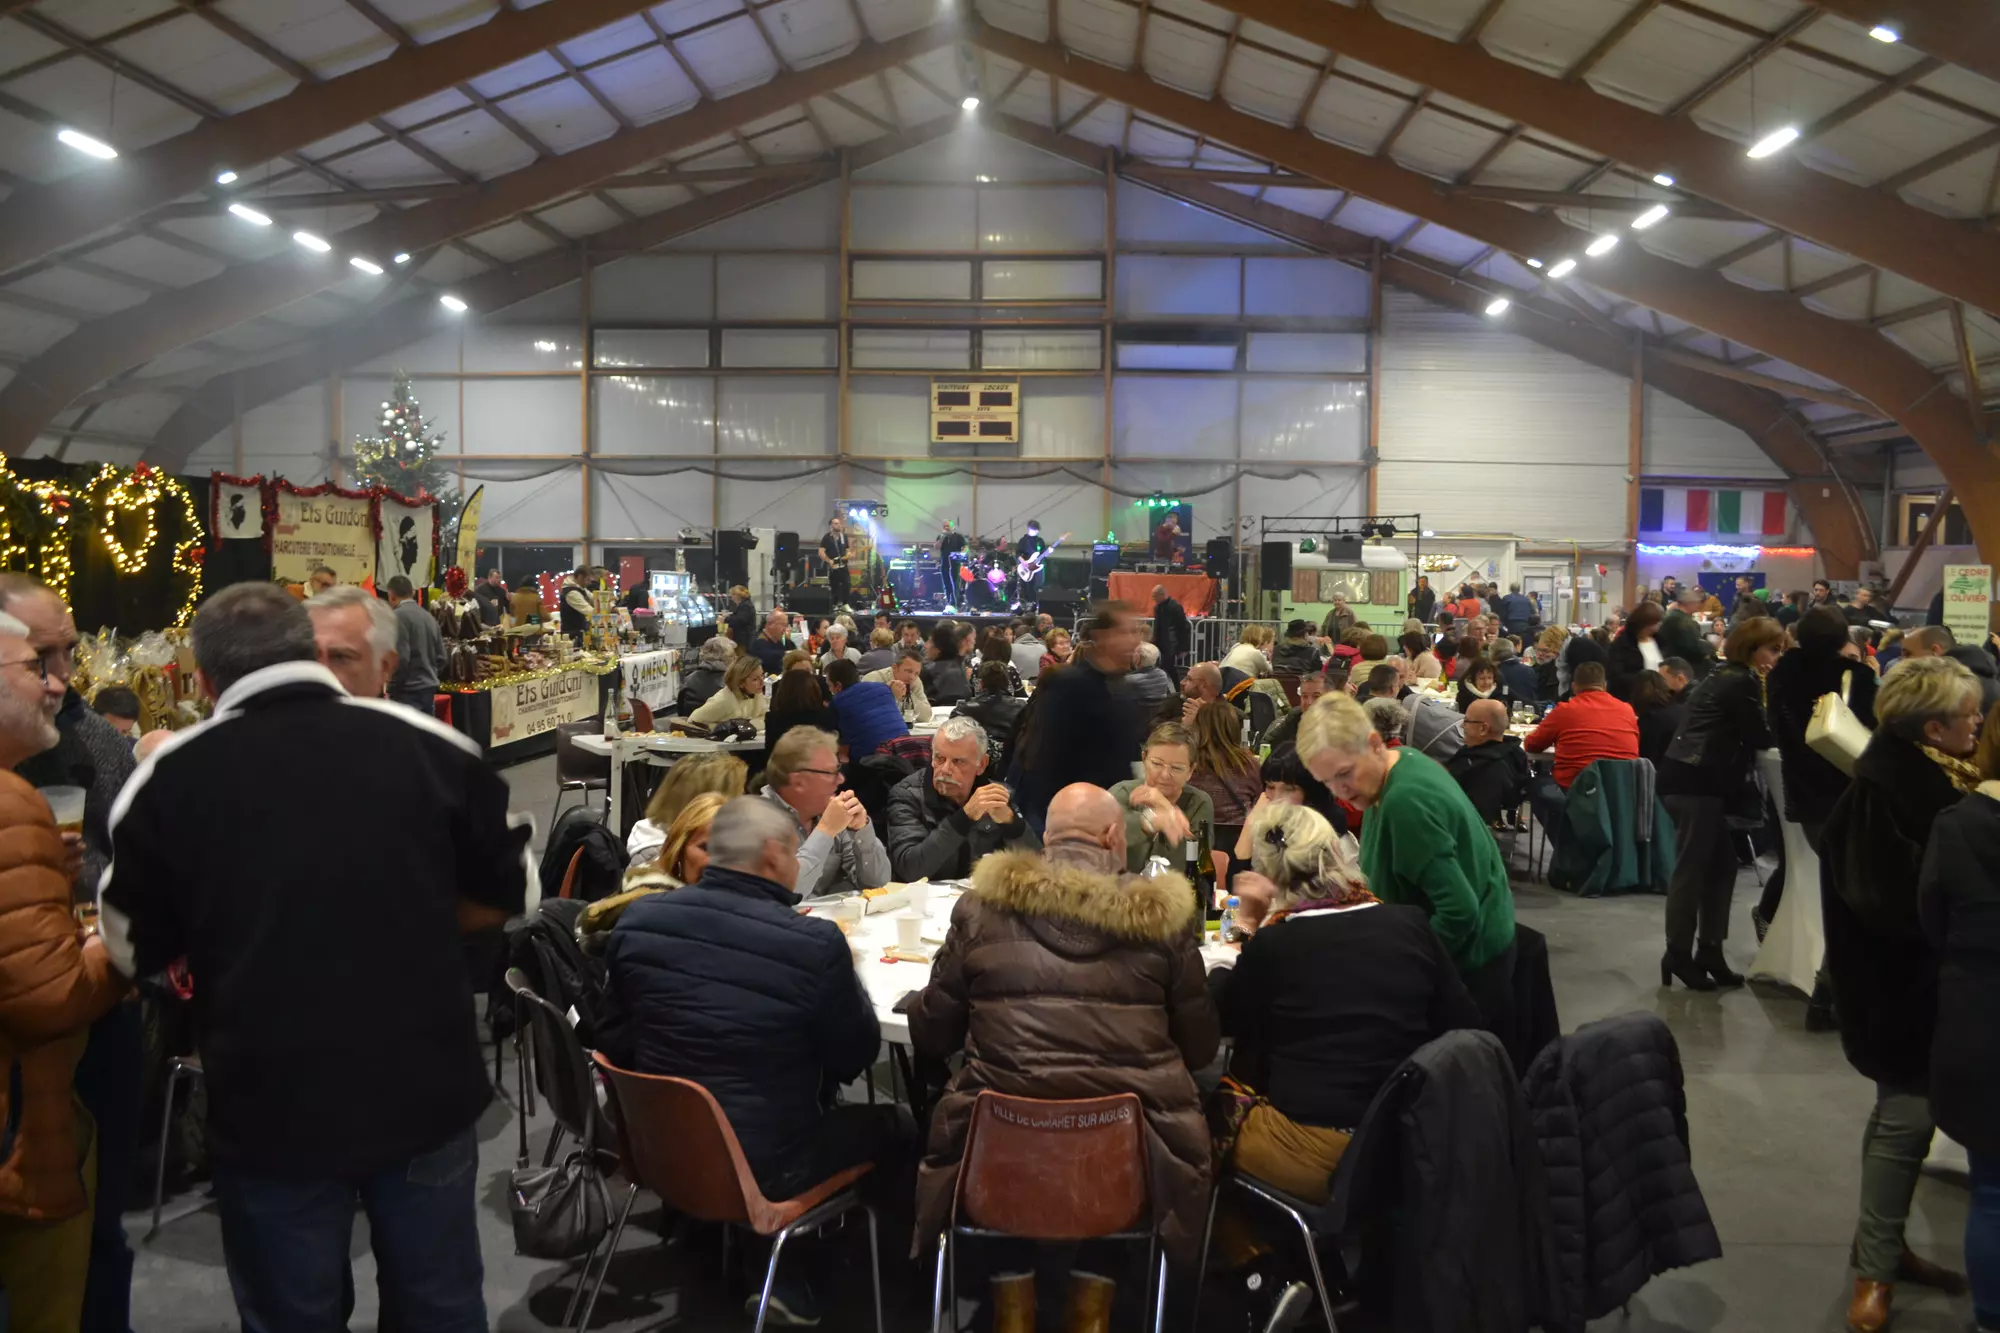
(116, 503)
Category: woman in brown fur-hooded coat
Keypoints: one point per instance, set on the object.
(1064, 977)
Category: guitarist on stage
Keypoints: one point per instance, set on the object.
(1030, 548)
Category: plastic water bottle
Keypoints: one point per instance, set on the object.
(1226, 928)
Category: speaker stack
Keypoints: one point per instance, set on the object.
(1274, 567)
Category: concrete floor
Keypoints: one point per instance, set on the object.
(1775, 1116)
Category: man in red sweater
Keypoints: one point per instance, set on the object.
(1592, 725)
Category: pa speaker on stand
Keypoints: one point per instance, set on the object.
(1274, 567)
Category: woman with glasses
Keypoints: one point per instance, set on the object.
(1165, 815)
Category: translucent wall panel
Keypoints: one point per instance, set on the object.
(912, 280)
(1160, 417)
(1060, 503)
(1315, 288)
(546, 508)
(778, 286)
(919, 506)
(1146, 216)
(559, 305)
(439, 352)
(1042, 349)
(1214, 511)
(774, 414)
(1042, 280)
(1155, 285)
(1308, 352)
(287, 437)
(361, 411)
(1305, 419)
(649, 507)
(1176, 356)
(1043, 219)
(1062, 418)
(523, 416)
(888, 416)
(912, 217)
(668, 349)
(1575, 503)
(809, 220)
(796, 504)
(552, 347)
(1685, 441)
(653, 289)
(913, 349)
(782, 349)
(1319, 493)
(653, 414)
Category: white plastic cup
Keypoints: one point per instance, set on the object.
(66, 804)
(909, 931)
(919, 896)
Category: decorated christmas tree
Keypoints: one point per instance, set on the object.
(403, 453)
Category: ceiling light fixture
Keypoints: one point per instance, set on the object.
(1657, 213)
(1662, 178)
(251, 215)
(367, 266)
(226, 178)
(83, 143)
(402, 256)
(1882, 32)
(1773, 141)
(970, 104)
(1603, 245)
(452, 303)
(1563, 268)
(1498, 306)
(1534, 263)
(317, 244)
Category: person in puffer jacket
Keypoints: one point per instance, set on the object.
(866, 714)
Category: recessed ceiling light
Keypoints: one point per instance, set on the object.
(312, 242)
(452, 303)
(1882, 32)
(249, 214)
(1657, 213)
(366, 265)
(970, 104)
(1773, 141)
(1603, 245)
(225, 178)
(83, 143)
(402, 256)
(1662, 178)
(1534, 263)
(1498, 306)
(1563, 268)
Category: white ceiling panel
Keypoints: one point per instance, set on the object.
(1928, 339)
(328, 35)
(893, 18)
(647, 86)
(1888, 137)
(77, 291)
(1158, 143)
(1446, 246)
(615, 39)
(536, 68)
(1551, 35)
(1785, 88)
(154, 260)
(1029, 19)
(201, 60)
(1959, 190)
(1350, 114)
(1312, 203)
(649, 200)
(1100, 30)
(478, 145)
(1666, 57)
(81, 94)
(1440, 145)
(347, 140)
(1698, 240)
(796, 142)
(385, 164)
(96, 18)
(1964, 86)
(1372, 219)
(1440, 18)
(562, 115)
(1267, 86)
(430, 108)
(680, 15)
(1522, 165)
(28, 332)
(511, 241)
(808, 32)
(729, 58)
(21, 46)
(431, 20)
(580, 217)
(134, 413)
(1184, 57)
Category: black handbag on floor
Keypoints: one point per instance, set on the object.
(561, 1211)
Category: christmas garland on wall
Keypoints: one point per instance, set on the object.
(118, 507)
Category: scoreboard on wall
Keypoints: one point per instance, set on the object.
(972, 411)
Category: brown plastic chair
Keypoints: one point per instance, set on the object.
(642, 716)
(676, 1141)
(1055, 1171)
(572, 874)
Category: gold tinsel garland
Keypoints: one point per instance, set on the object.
(595, 668)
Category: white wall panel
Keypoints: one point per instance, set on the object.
(1301, 420)
(800, 505)
(653, 289)
(913, 349)
(545, 508)
(919, 506)
(1684, 441)
(1176, 356)
(1160, 417)
(778, 286)
(1042, 280)
(782, 349)
(888, 416)
(1332, 352)
(1148, 216)
(653, 414)
(287, 437)
(912, 217)
(361, 412)
(1043, 219)
(649, 507)
(1059, 503)
(439, 352)
(552, 347)
(523, 416)
(1062, 418)
(668, 349)
(1319, 288)
(1332, 492)
(1041, 349)
(773, 414)
(806, 221)
(1575, 503)
(1169, 285)
(912, 280)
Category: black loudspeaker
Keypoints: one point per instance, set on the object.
(732, 559)
(813, 600)
(785, 555)
(1275, 567)
(700, 562)
(1069, 571)
(1343, 548)
(1220, 552)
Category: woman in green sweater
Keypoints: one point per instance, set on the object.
(1423, 844)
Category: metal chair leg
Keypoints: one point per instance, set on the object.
(1201, 1268)
(770, 1276)
(874, 1264)
(937, 1287)
(1149, 1308)
(1319, 1278)
(555, 1141)
(1160, 1294)
(604, 1269)
(166, 1127)
(582, 1284)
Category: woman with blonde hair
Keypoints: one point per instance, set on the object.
(682, 858)
(1333, 991)
(1223, 768)
(1251, 655)
(741, 695)
(723, 774)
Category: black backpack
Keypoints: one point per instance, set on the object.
(603, 870)
(544, 947)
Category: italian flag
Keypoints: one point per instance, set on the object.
(1677, 509)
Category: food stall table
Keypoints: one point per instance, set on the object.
(514, 716)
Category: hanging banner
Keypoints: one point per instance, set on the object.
(404, 546)
(1968, 597)
(322, 526)
(650, 677)
(239, 509)
(537, 706)
(467, 545)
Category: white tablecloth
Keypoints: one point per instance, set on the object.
(636, 746)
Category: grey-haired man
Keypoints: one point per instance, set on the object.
(942, 819)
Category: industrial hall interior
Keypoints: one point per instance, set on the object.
(999, 666)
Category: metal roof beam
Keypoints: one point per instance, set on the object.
(34, 222)
(104, 347)
(1782, 192)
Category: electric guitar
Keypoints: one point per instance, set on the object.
(1032, 566)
